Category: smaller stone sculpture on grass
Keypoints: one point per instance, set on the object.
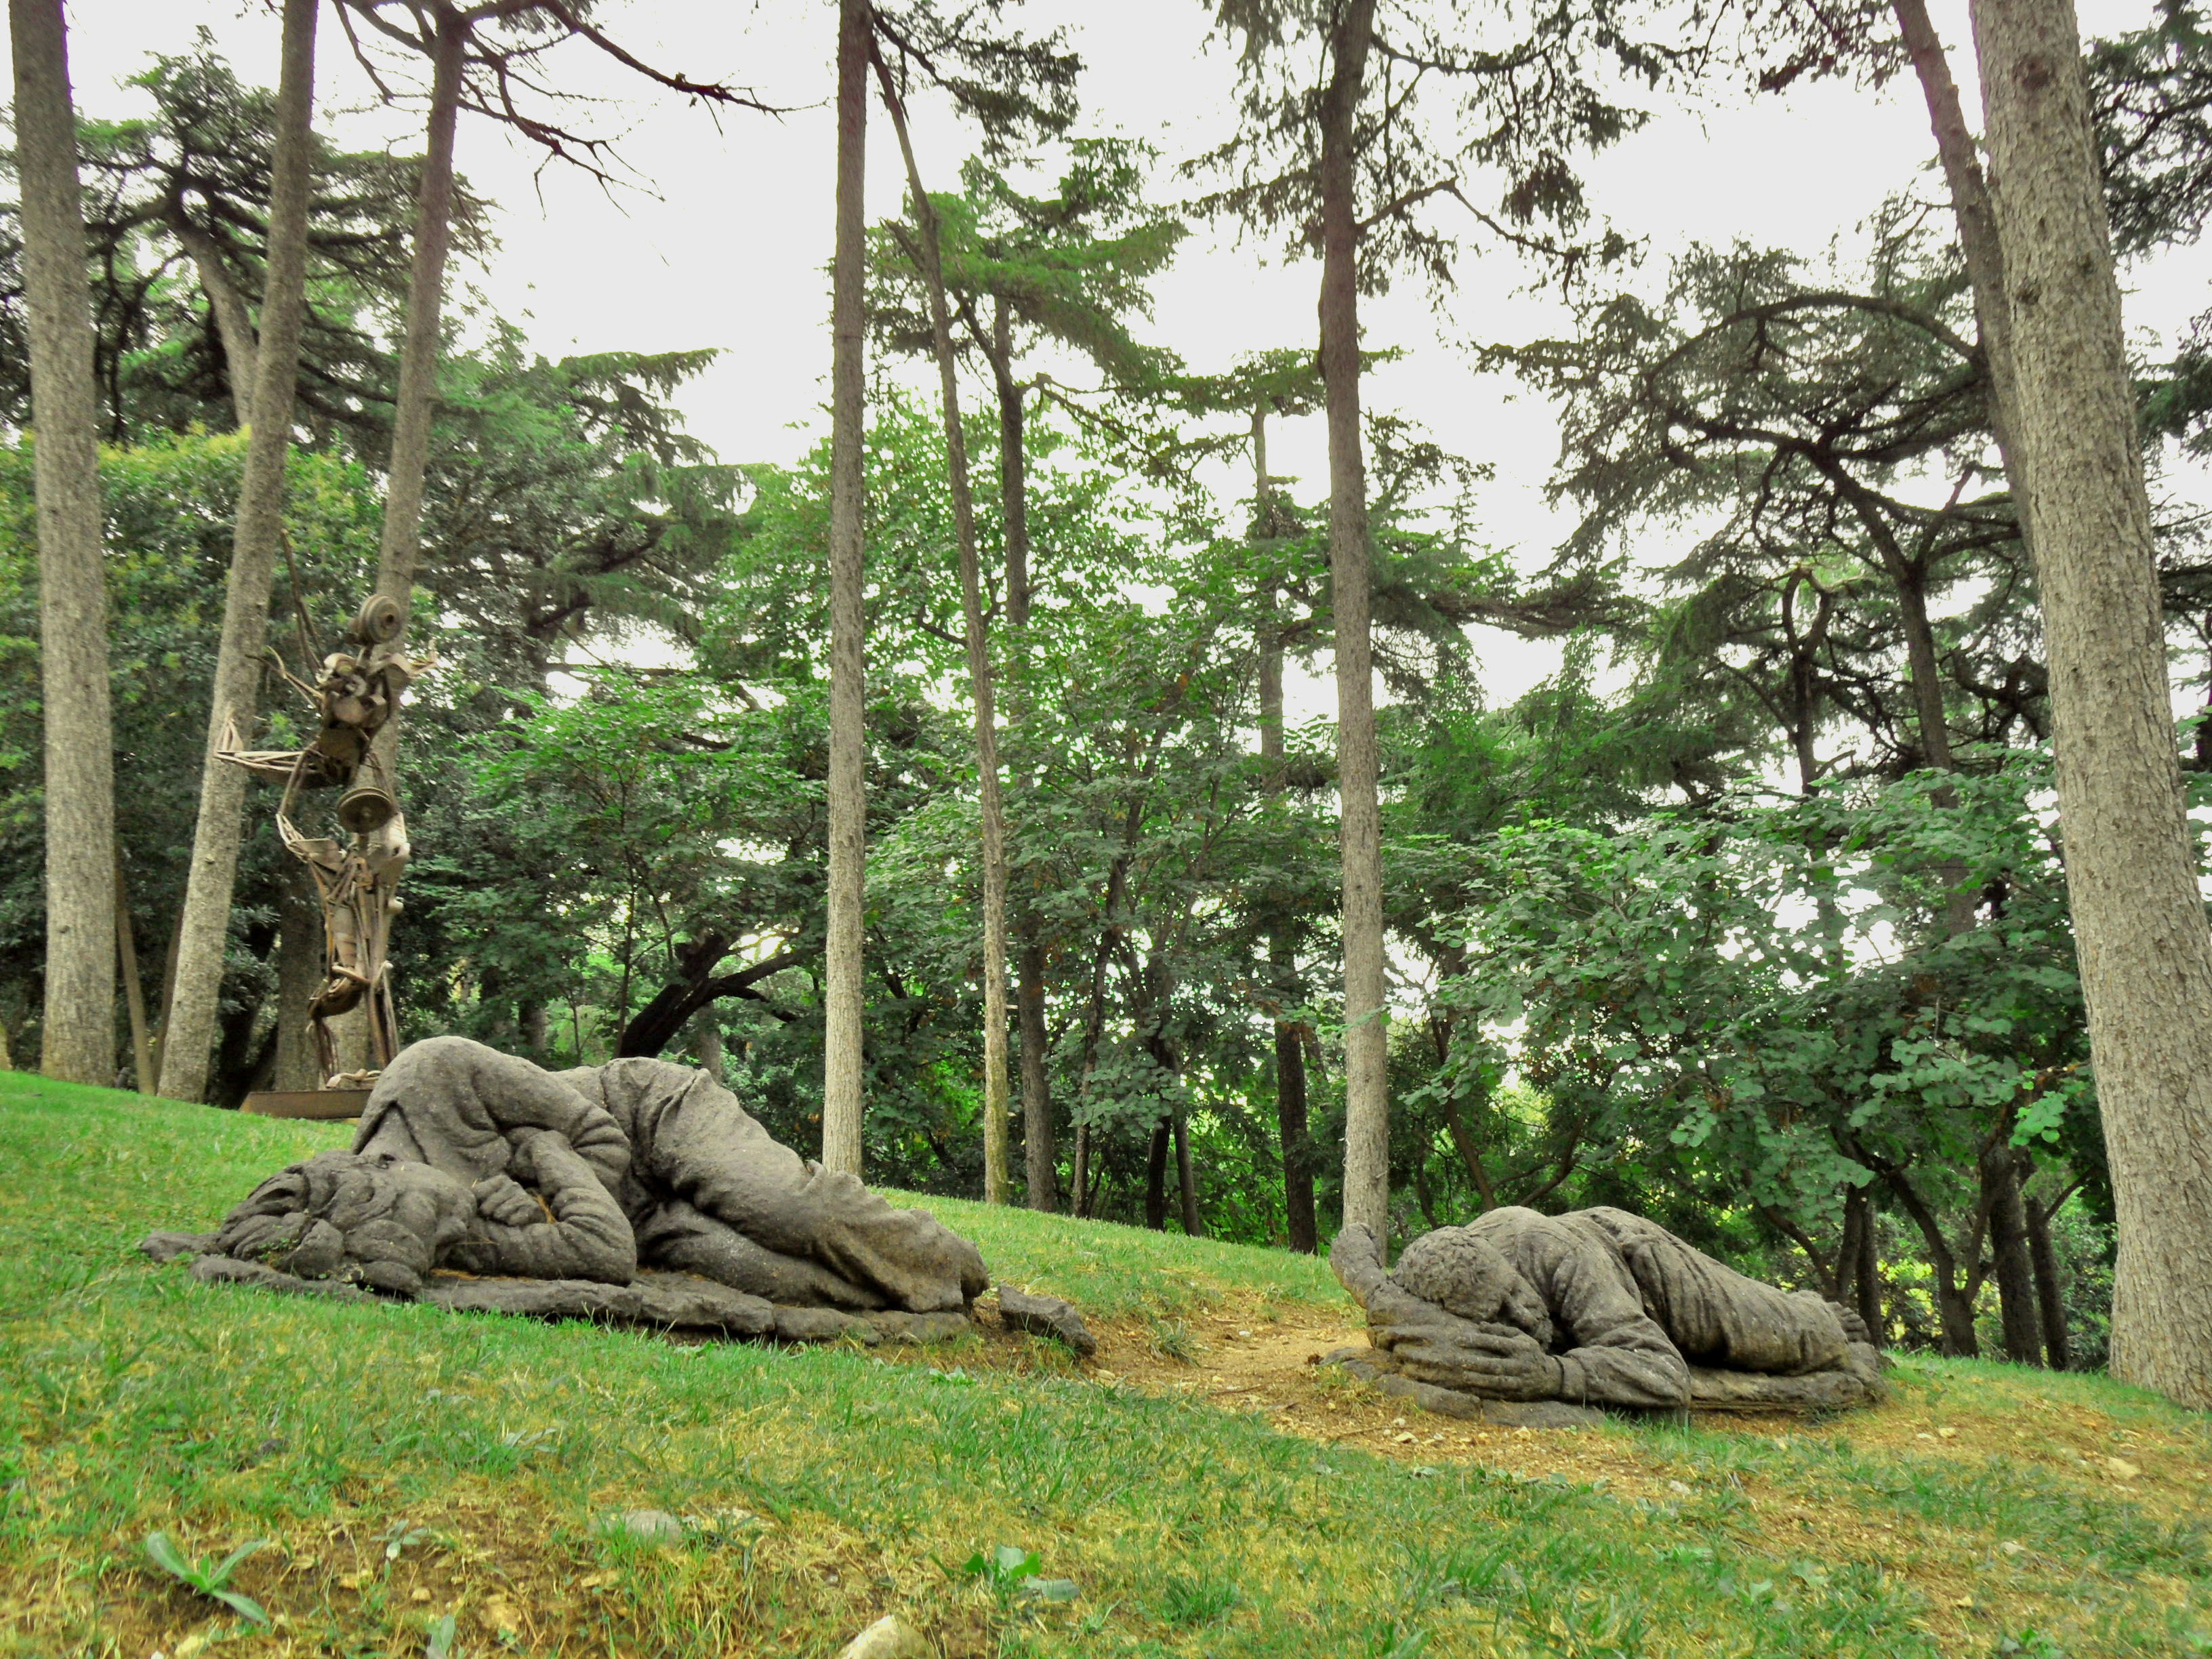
(639, 1190)
(1595, 1307)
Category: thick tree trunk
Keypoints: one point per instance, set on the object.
(1040, 1158)
(842, 993)
(1366, 1031)
(255, 537)
(1869, 1277)
(299, 976)
(2146, 954)
(78, 1027)
(1290, 1108)
(992, 806)
(2050, 1290)
(2009, 1243)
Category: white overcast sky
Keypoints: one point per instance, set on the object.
(730, 248)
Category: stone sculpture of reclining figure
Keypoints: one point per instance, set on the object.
(388, 1222)
(1599, 1307)
(702, 1187)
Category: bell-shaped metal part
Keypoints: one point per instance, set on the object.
(365, 808)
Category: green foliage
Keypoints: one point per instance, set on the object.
(210, 1578)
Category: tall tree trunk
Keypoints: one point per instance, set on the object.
(400, 545)
(1156, 1179)
(220, 828)
(842, 992)
(1366, 1031)
(78, 1027)
(2050, 1291)
(1186, 1178)
(134, 990)
(1862, 1259)
(1978, 236)
(2146, 954)
(2008, 1242)
(979, 669)
(232, 324)
(1040, 1158)
(1291, 1111)
(299, 976)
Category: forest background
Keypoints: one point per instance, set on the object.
(1665, 843)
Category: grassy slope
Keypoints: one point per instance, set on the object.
(826, 1486)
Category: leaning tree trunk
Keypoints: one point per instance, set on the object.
(841, 992)
(2050, 1289)
(2146, 954)
(1366, 1033)
(979, 669)
(1040, 1161)
(1282, 948)
(190, 1025)
(78, 1031)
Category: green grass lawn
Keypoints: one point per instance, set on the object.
(406, 1465)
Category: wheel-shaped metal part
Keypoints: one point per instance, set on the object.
(376, 621)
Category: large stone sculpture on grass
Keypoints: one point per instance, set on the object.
(1595, 1307)
(639, 1190)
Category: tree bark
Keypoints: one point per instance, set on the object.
(1290, 1108)
(1186, 1178)
(232, 325)
(842, 992)
(400, 545)
(2008, 1242)
(78, 1025)
(2146, 954)
(134, 990)
(1366, 1030)
(299, 976)
(1978, 236)
(992, 806)
(217, 835)
(1156, 1179)
(2050, 1290)
(1039, 1157)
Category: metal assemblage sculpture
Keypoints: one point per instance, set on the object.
(357, 877)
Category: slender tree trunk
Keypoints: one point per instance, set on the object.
(2008, 1241)
(217, 835)
(78, 1027)
(992, 806)
(1156, 1179)
(400, 549)
(707, 1047)
(1039, 1157)
(2050, 1291)
(1290, 1108)
(1187, 1178)
(1978, 236)
(2146, 954)
(299, 976)
(134, 991)
(842, 991)
(1366, 1031)
(1870, 1275)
